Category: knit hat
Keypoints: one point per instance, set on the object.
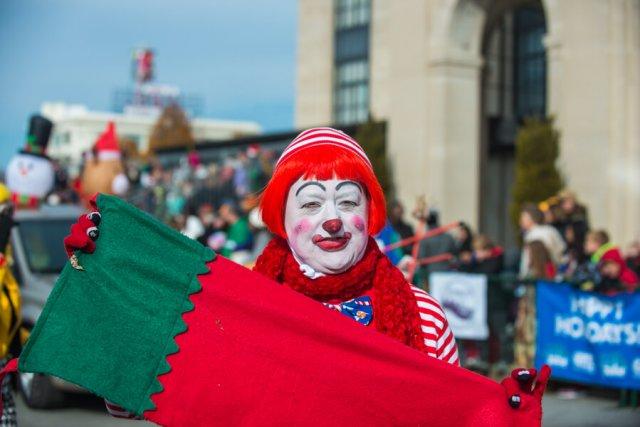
(323, 136)
(106, 147)
(321, 153)
(611, 254)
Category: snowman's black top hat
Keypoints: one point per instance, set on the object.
(38, 136)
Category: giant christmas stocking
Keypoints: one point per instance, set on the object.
(156, 324)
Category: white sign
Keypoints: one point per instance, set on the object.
(464, 300)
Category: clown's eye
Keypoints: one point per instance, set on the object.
(348, 204)
(311, 205)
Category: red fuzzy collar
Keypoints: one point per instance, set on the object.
(394, 304)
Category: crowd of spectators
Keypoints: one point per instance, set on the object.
(560, 245)
(216, 203)
(212, 202)
(557, 244)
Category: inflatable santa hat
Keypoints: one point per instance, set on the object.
(106, 147)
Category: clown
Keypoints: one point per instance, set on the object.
(323, 203)
(30, 173)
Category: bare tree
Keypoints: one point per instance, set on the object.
(171, 130)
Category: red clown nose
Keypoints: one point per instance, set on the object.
(332, 226)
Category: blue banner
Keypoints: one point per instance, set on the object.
(588, 337)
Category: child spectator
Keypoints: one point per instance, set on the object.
(534, 229)
(486, 257)
(615, 275)
(540, 265)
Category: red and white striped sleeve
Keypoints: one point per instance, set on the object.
(438, 337)
(119, 412)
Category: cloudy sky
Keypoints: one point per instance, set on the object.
(237, 54)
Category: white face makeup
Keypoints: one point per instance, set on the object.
(326, 223)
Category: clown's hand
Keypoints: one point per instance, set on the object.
(524, 389)
(83, 235)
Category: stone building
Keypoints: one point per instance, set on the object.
(453, 79)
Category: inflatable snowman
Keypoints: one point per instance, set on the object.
(103, 171)
(30, 174)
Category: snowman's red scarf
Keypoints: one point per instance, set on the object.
(396, 312)
(25, 201)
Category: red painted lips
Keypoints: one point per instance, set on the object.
(331, 243)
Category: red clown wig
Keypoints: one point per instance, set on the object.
(321, 153)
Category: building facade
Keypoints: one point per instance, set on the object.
(76, 129)
(454, 79)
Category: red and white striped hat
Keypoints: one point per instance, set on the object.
(323, 136)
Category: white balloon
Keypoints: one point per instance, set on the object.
(120, 184)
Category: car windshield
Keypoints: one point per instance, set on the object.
(43, 245)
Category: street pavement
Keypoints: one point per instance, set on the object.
(585, 411)
(79, 411)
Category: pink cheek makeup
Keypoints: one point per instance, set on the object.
(358, 222)
(302, 226)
